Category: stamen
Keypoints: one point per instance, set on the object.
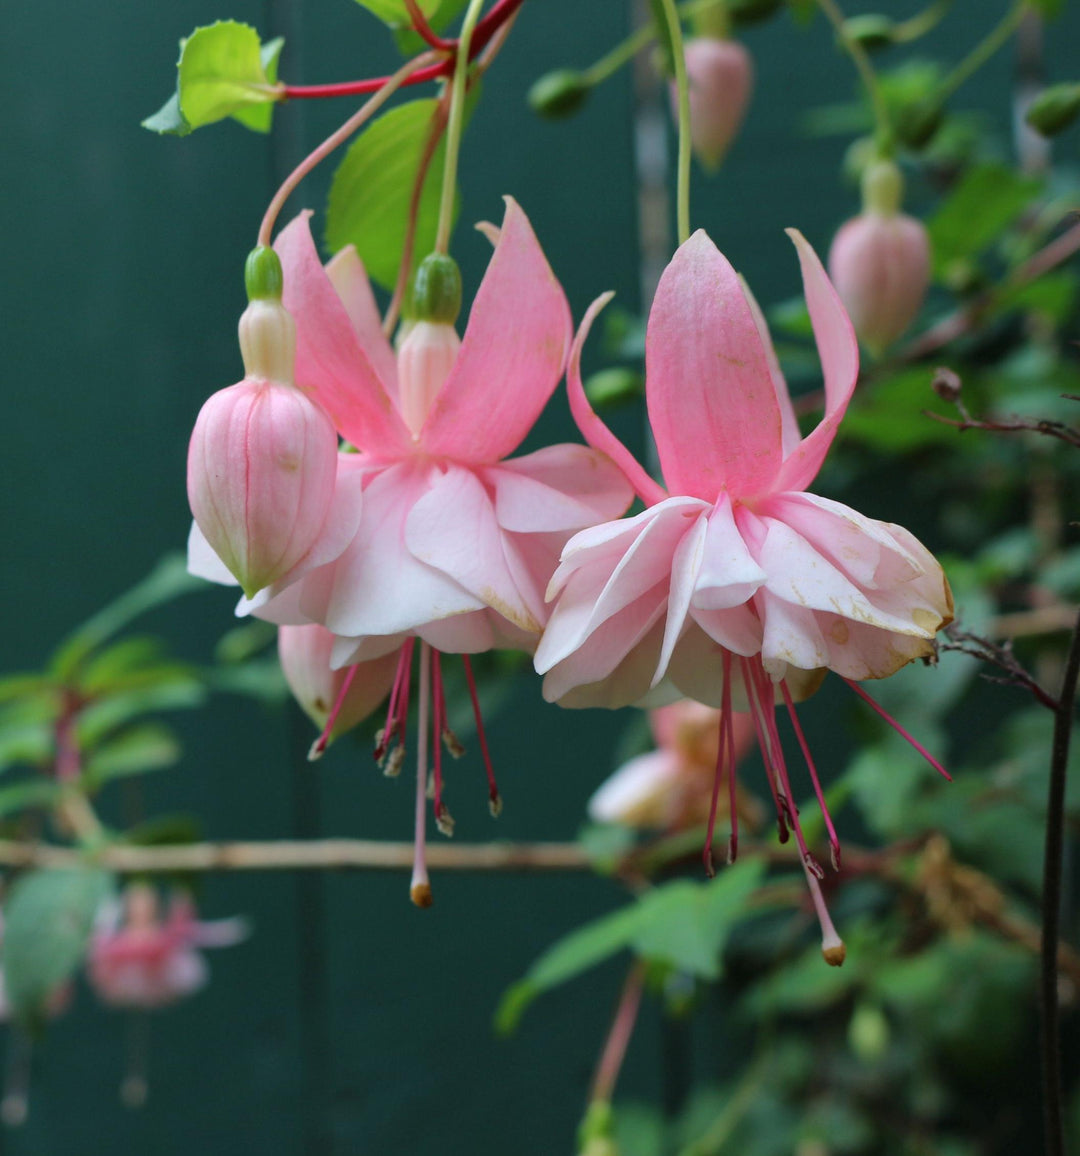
(393, 727)
(442, 816)
(765, 692)
(755, 707)
(898, 728)
(722, 747)
(733, 839)
(834, 842)
(401, 721)
(394, 762)
(832, 946)
(318, 747)
(495, 804)
(420, 886)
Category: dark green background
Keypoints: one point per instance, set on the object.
(350, 1022)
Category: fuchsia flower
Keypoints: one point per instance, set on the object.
(669, 787)
(739, 585)
(453, 544)
(721, 75)
(143, 960)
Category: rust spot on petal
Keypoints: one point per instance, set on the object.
(839, 632)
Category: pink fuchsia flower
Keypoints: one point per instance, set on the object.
(880, 262)
(139, 958)
(304, 652)
(454, 544)
(262, 462)
(670, 787)
(738, 586)
(721, 75)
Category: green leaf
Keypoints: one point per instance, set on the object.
(15, 686)
(371, 190)
(168, 580)
(26, 735)
(682, 924)
(394, 12)
(47, 922)
(410, 42)
(222, 73)
(1049, 8)
(983, 204)
(149, 747)
(258, 117)
(31, 793)
(100, 720)
(168, 120)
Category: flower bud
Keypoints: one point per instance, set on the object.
(918, 122)
(720, 75)
(880, 262)
(425, 360)
(436, 292)
(1055, 109)
(559, 93)
(871, 30)
(262, 461)
(304, 652)
(752, 11)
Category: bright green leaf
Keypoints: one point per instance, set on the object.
(15, 686)
(221, 73)
(47, 922)
(258, 117)
(988, 199)
(370, 194)
(168, 119)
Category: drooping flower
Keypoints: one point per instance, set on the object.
(721, 75)
(139, 958)
(670, 787)
(262, 461)
(880, 262)
(738, 586)
(454, 544)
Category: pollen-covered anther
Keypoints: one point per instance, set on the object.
(495, 804)
(444, 821)
(814, 866)
(420, 894)
(452, 743)
(394, 762)
(317, 750)
(833, 950)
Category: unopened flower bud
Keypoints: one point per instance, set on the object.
(868, 1032)
(304, 652)
(1055, 109)
(263, 277)
(880, 265)
(262, 461)
(918, 122)
(559, 93)
(946, 384)
(720, 75)
(871, 30)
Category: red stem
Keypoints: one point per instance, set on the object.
(485, 30)
(424, 30)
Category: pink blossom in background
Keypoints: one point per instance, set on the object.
(140, 957)
(670, 786)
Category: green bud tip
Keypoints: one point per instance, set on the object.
(559, 93)
(882, 188)
(918, 122)
(436, 292)
(1055, 109)
(262, 275)
(871, 30)
(751, 11)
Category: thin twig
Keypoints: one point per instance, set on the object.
(999, 655)
(622, 1028)
(1053, 429)
(1051, 913)
(287, 855)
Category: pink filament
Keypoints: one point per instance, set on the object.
(899, 729)
(733, 842)
(834, 841)
(493, 789)
(437, 727)
(751, 694)
(395, 726)
(324, 738)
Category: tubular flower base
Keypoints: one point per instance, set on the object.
(738, 588)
